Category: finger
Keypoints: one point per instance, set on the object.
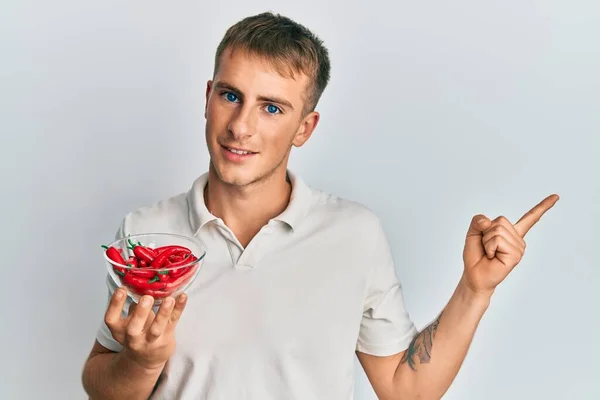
(504, 251)
(501, 220)
(149, 320)
(131, 310)
(149, 317)
(509, 235)
(138, 318)
(533, 216)
(177, 310)
(479, 224)
(114, 311)
(475, 252)
(157, 327)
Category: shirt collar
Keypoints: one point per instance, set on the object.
(298, 206)
(300, 202)
(198, 213)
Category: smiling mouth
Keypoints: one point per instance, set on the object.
(238, 151)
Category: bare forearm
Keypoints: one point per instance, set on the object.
(435, 356)
(115, 376)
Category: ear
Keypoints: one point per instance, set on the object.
(306, 128)
(208, 90)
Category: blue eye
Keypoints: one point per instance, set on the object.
(231, 97)
(271, 109)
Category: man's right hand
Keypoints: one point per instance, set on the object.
(147, 338)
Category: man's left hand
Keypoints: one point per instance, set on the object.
(494, 247)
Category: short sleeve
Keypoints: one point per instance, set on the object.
(386, 327)
(103, 335)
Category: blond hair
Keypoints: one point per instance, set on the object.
(288, 46)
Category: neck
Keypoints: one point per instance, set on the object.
(245, 210)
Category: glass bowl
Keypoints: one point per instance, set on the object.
(155, 264)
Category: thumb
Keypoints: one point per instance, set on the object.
(474, 249)
(479, 224)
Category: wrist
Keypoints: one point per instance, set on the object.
(476, 298)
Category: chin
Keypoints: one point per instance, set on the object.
(234, 176)
(236, 180)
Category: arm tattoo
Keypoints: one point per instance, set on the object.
(421, 346)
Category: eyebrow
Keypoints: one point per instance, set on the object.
(270, 99)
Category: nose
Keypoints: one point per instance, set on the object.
(243, 123)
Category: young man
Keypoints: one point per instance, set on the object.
(296, 281)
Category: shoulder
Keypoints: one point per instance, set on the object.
(352, 230)
(346, 215)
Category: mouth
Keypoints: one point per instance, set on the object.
(238, 151)
(234, 154)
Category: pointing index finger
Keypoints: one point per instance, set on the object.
(533, 216)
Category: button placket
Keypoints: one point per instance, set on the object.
(257, 247)
(233, 244)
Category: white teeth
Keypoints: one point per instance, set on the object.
(238, 151)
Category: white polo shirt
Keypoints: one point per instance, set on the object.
(281, 318)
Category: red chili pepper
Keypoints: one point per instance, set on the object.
(158, 294)
(132, 261)
(115, 255)
(144, 253)
(176, 283)
(175, 258)
(120, 271)
(179, 271)
(159, 261)
(169, 288)
(163, 275)
(183, 249)
(142, 280)
(142, 272)
(182, 261)
(176, 273)
(142, 284)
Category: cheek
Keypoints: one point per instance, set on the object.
(279, 137)
(215, 117)
(211, 110)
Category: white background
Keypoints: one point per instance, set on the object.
(436, 111)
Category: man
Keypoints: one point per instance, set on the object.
(295, 281)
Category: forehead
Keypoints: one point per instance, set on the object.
(259, 76)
